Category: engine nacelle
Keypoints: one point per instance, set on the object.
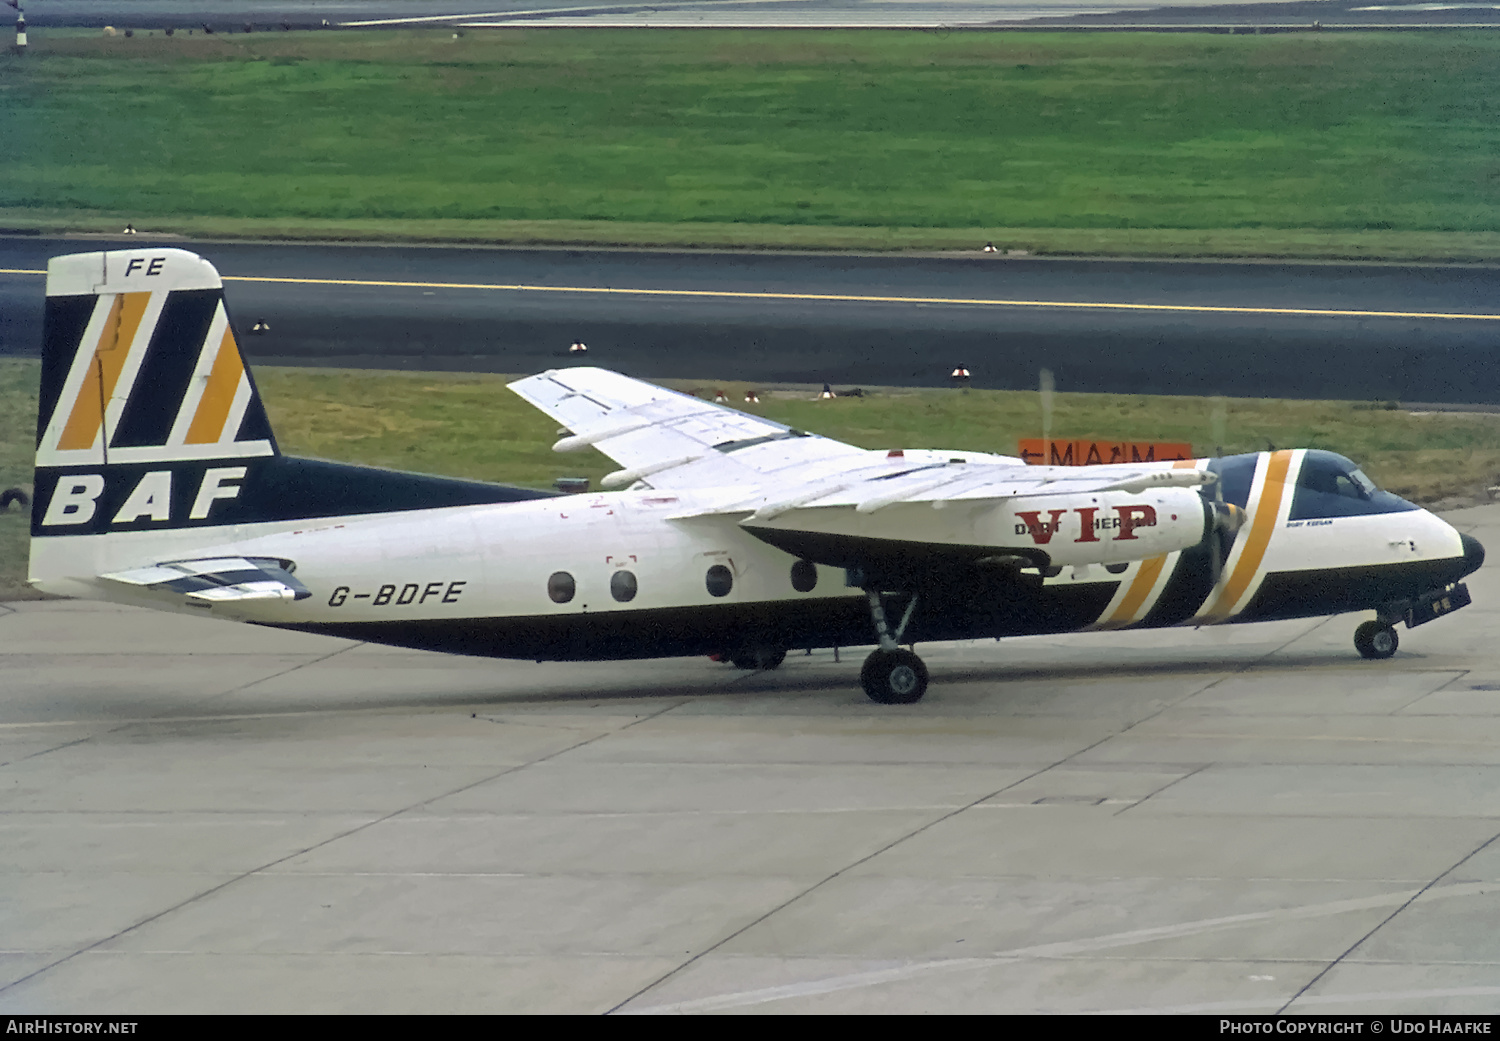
(1052, 530)
(1099, 528)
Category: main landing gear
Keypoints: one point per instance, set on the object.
(892, 676)
(758, 658)
(1376, 639)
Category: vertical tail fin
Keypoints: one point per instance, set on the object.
(139, 364)
(146, 405)
(152, 442)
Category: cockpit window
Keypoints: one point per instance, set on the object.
(1331, 486)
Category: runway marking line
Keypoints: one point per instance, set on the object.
(854, 298)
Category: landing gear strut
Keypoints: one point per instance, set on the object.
(1376, 639)
(892, 676)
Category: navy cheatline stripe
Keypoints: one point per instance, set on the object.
(1189, 585)
(663, 632)
(288, 488)
(1298, 594)
(156, 397)
(274, 488)
(63, 324)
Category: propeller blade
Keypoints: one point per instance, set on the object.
(1046, 386)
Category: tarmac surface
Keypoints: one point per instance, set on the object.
(197, 817)
(263, 15)
(1426, 333)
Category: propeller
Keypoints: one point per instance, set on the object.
(1218, 421)
(1227, 521)
(1046, 386)
(1227, 517)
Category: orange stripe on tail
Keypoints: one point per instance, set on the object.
(108, 360)
(218, 396)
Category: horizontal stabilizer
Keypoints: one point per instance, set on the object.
(219, 580)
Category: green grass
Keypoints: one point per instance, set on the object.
(471, 426)
(1299, 144)
(18, 388)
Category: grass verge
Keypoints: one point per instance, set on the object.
(1355, 145)
(471, 426)
(1266, 243)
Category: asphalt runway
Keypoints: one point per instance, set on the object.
(201, 817)
(1362, 332)
(263, 15)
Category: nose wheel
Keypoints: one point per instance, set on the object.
(1376, 640)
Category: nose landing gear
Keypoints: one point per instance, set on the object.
(892, 676)
(1376, 639)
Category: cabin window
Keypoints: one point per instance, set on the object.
(804, 576)
(561, 587)
(720, 580)
(1328, 485)
(622, 586)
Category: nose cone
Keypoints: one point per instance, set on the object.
(1473, 553)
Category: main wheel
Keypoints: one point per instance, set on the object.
(1376, 640)
(758, 658)
(894, 677)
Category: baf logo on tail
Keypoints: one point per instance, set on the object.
(74, 498)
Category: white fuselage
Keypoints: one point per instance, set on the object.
(496, 561)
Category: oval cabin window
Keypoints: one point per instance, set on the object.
(560, 587)
(804, 576)
(720, 580)
(622, 586)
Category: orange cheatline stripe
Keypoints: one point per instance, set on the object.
(108, 359)
(1149, 571)
(1140, 586)
(213, 408)
(1147, 574)
(1266, 512)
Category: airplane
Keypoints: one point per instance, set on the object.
(159, 483)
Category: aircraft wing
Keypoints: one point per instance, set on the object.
(672, 439)
(938, 484)
(218, 580)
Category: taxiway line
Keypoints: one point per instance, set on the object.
(856, 298)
